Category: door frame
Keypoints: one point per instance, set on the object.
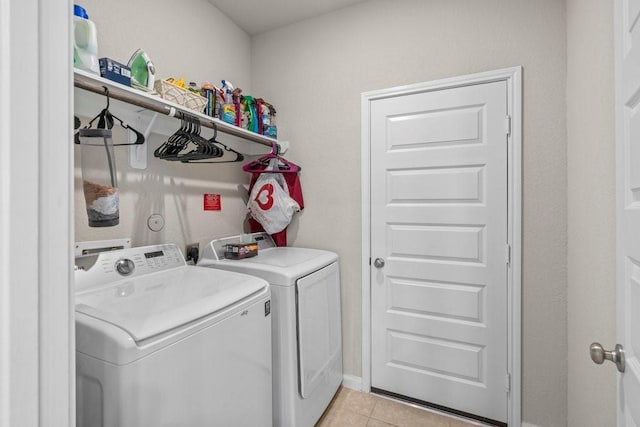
(37, 350)
(513, 78)
(622, 156)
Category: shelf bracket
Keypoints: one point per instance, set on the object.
(138, 153)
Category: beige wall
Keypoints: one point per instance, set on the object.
(189, 38)
(315, 71)
(591, 209)
(184, 39)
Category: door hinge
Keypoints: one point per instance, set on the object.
(507, 254)
(369, 260)
(508, 383)
(507, 125)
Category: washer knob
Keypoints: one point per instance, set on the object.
(125, 266)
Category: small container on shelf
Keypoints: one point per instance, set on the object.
(180, 96)
(115, 71)
(240, 250)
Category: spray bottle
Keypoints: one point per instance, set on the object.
(228, 108)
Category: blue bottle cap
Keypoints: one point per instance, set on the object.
(80, 11)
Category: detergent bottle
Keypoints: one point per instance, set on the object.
(85, 41)
(253, 119)
(248, 108)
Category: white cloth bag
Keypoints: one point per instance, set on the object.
(269, 201)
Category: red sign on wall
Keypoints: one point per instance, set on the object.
(212, 202)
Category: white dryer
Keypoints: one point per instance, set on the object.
(307, 331)
(160, 343)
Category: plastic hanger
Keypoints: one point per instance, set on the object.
(175, 143)
(180, 141)
(213, 144)
(195, 147)
(204, 149)
(186, 145)
(284, 166)
(106, 120)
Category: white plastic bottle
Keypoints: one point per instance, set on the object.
(85, 41)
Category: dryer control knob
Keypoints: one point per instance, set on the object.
(125, 266)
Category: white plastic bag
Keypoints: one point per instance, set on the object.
(269, 201)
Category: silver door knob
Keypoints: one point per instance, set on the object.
(599, 355)
(378, 263)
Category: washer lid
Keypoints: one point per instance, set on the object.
(155, 303)
(279, 265)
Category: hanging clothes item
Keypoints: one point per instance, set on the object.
(289, 172)
(269, 200)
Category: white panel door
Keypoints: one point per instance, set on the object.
(439, 224)
(628, 205)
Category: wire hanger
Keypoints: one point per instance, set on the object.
(284, 165)
(106, 121)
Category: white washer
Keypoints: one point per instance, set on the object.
(160, 343)
(307, 334)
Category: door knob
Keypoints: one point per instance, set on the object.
(378, 263)
(599, 355)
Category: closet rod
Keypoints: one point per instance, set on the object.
(159, 105)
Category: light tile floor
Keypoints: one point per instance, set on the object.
(351, 408)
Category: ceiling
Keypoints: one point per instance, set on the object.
(258, 16)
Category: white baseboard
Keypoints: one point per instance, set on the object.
(352, 382)
(528, 425)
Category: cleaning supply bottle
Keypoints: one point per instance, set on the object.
(244, 112)
(253, 114)
(236, 96)
(260, 108)
(219, 102)
(85, 41)
(248, 109)
(269, 121)
(228, 109)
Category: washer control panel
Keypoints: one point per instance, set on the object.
(128, 263)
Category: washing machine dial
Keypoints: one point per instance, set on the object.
(125, 266)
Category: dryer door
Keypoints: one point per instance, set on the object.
(319, 327)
